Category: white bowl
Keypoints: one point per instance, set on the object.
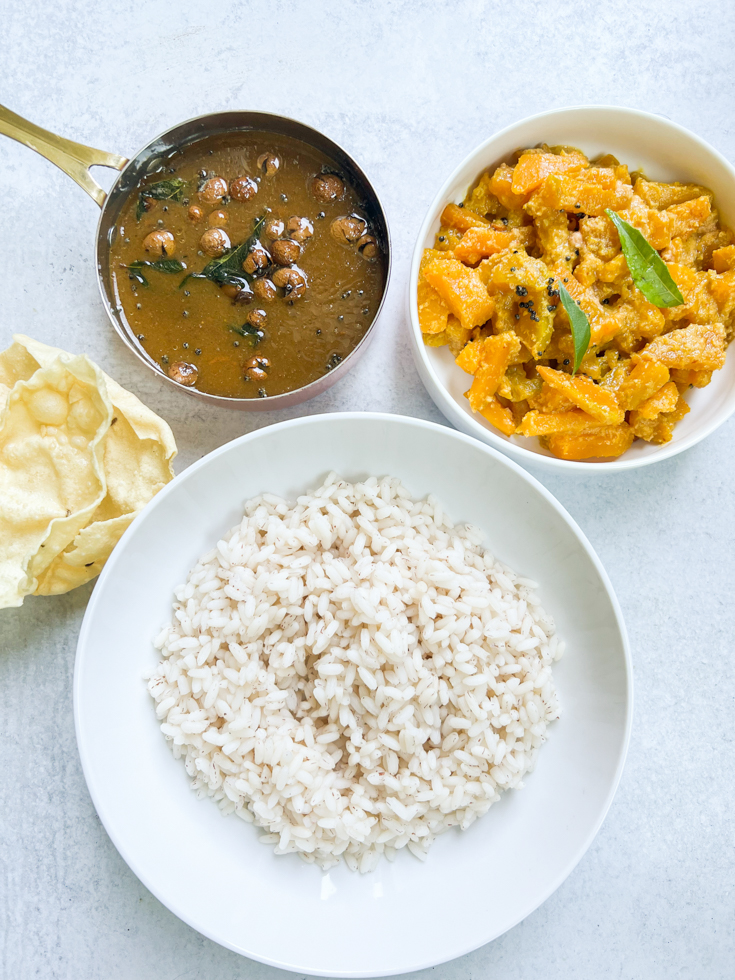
(211, 871)
(664, 151)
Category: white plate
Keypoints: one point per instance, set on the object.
(211, 871)
(664, 151)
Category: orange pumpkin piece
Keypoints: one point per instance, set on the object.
(641, 318)
(469, 357)
(575, 194)
(722, 290)
(433, 311)
(587, 271)
(646, 378)
(654, 225)
(501, 184)
(512, 269)
(604, 442)
(665, 400)
(643, 428)
(479, 243)
(661, 428)
(613, 271)
(600, 237)
(544, 424)
(668, 420)
(499, 416)
(657, 228)
(723, 259)
(552, 231)
(455, 337)
(495, 356)
(430, 255)
(551, 400)
(585, 394)
(688, 217)
(532, 169)
(663, 196)
(691, 379)
(453, 216)
(698, 289)
(698, 347)
(606, 177)
(462, 290)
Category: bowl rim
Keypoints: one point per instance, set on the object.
(441, 397)
(380, 418)
(193, 130)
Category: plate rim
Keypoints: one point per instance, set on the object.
(108, 570)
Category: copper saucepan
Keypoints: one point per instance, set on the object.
(76, 159)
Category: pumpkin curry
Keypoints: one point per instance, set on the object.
(491, 290)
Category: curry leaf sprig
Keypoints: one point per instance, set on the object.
(162, 190)
(579, 324)
(227, 269)
(170, 266)
(646, 266)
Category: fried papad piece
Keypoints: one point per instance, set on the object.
(98, 455)
(51, 469)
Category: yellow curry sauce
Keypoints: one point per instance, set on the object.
(313, 273)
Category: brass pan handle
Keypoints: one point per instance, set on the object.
(74, 159)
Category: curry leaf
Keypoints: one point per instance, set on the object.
(162, 190)
(136, 275)
(227, 268)
(580, 327)
(170, 266)
(646, 266)
(251, 333)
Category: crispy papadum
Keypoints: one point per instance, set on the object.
(79, 457)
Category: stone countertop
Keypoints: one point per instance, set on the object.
(408, 88)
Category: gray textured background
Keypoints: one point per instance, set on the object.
(409, 88)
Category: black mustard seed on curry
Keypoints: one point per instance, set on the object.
(247, 266)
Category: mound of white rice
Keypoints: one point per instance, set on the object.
(354, 673)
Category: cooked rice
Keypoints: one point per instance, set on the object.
(354, 673)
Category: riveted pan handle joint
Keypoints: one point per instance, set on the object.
(74, 159)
